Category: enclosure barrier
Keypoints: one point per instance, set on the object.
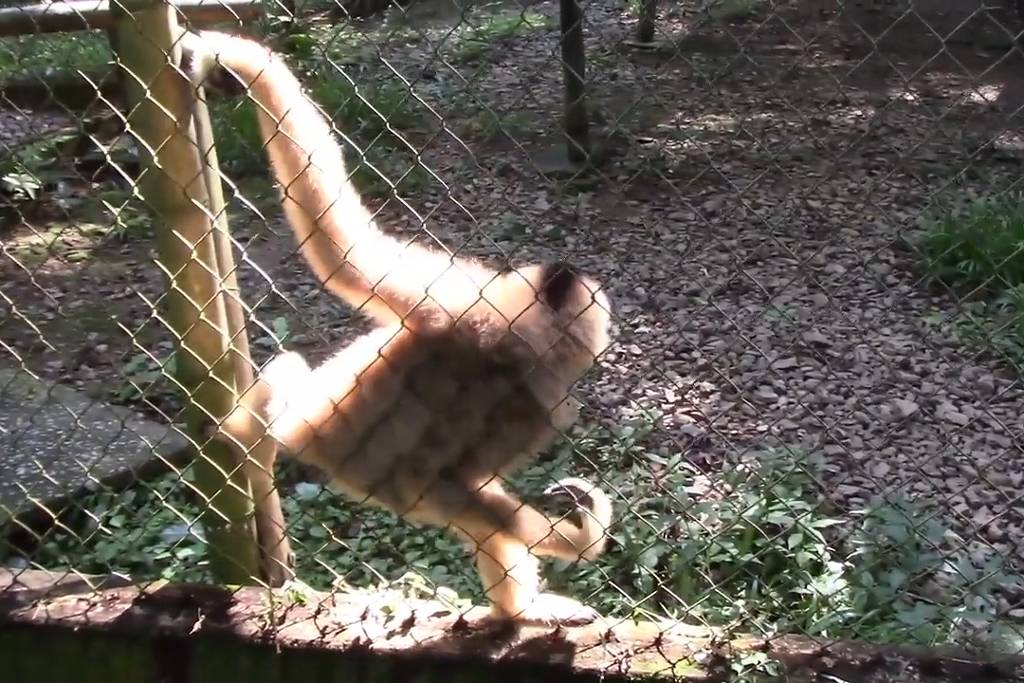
(79, 90)
(810, 432)
(86, 15)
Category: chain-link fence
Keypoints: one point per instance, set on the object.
(805, 215)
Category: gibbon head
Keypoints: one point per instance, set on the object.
(563, 315)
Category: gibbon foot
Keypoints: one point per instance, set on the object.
(550, 609)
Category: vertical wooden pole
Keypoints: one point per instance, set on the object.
(173, 187)
(577, 127)
(645, 26)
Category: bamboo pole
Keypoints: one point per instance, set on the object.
(86, 15)
(275, 550)
(173, 186)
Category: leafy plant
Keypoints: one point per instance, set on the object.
(237, 135)
(753, 666)
(978, 248)
(758, 554)
(145, 378)
(366, 111)
(45, 53)
(149, 531)
(128, 215)
(20, 187)
(977, 244)
(758, 550)
(915, 579)
(24, 172)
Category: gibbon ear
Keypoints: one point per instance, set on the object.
(556, 282)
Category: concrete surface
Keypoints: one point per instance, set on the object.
(55, 440)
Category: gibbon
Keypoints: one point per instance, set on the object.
(465, 380)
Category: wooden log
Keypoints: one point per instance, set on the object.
(86, 15)
(85, 91)
(163, 631)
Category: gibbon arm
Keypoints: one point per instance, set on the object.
(337, 234)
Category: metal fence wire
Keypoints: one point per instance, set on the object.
(807, 218)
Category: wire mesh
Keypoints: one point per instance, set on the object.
(807, 216)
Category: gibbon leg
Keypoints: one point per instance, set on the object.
(507, 536)
(543, 535)
(510, 574)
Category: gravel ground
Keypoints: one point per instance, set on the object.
(750, 229)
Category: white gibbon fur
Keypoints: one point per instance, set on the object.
(466, 379)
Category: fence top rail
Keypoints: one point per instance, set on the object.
(86, 15)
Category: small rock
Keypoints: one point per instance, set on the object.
(712, 205)
(949, 413)
(785, 363)
(691, 430)
(994, 533)
(986, 386)
(816, 338)
(904, 408)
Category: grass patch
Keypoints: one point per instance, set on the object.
(762, 553)
(995, 324)
(481, 33)
(977, 248)
(978, 245)
(22, 55)
(767, 553)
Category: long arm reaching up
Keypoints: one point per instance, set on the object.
(336, 232)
